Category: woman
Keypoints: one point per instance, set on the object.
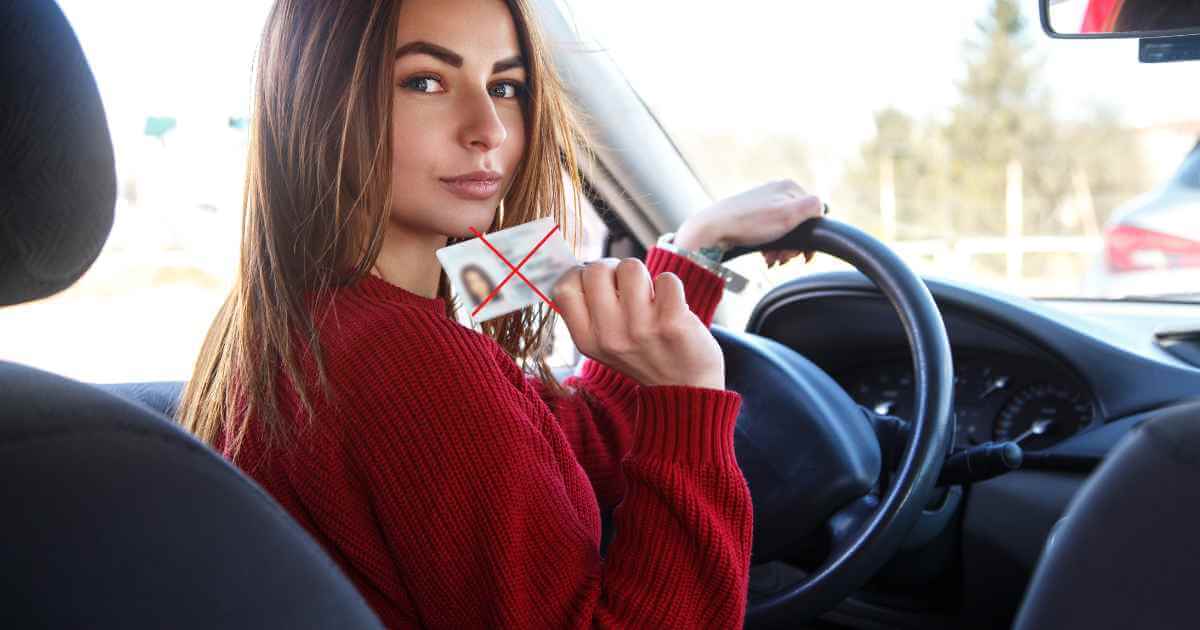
(478, 284)
(455, 490)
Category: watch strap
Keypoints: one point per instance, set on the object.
(710, 260)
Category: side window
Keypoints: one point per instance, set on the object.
(177, 118)
(564, 357)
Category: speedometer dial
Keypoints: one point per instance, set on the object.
(1040, 415)
(979, 391)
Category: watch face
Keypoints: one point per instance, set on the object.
(713, 253)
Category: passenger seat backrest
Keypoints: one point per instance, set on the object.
(116, 518)
(112, 516)
(1127, 552)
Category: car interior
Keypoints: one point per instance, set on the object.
(1039, 469)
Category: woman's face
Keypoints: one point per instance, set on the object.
(456, 110)
(476, 284)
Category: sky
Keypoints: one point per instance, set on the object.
(817, 68)
(169, 57)
(821, 67)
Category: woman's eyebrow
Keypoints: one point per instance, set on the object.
(452, 58)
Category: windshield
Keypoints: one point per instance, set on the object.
(956, 132)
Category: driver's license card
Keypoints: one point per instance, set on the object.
(475, 271)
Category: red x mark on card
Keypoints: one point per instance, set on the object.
(515, 271)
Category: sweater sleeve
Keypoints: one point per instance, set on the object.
(702, 288)
(477, 506)
(597, 418)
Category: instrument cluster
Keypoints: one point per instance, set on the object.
(996, 398)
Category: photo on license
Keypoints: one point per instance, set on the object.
(475, 270)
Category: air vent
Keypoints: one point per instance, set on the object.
(1184, 344)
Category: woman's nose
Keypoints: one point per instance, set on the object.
(482, 126)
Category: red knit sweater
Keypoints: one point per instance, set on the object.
(455, 494)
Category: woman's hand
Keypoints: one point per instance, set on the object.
(642, 328)
(756, 216)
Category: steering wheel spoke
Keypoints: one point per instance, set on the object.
(845, 524)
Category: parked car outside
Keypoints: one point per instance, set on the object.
(1152, 242)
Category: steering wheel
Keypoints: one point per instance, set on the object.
(808, 452)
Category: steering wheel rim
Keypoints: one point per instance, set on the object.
(866, 532)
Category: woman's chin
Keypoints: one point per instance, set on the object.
(466, 233)
(481, 223)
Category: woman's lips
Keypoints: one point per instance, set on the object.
(474, 189)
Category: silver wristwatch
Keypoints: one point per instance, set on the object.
(710, 260)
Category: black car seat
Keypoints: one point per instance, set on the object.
(1127, 552)
(113, 517)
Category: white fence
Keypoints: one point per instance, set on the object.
(958, 255)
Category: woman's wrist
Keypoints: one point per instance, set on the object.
(696, 236)
(700, 243)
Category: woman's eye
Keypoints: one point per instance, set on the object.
(433, 85)
(423, 84)
(508, 89)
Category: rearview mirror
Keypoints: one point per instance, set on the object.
(1120, 18)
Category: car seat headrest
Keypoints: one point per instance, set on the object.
(57, 175)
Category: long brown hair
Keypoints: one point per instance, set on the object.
(317, 196)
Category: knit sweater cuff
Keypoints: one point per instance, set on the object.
(685, 424)
(702, 288)
(616, 386)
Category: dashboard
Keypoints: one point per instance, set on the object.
(1045, 374)
(996, 398)
(1067, 379)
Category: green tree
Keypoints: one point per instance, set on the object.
(916, 155)
(1002, 115)
(950, 179)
